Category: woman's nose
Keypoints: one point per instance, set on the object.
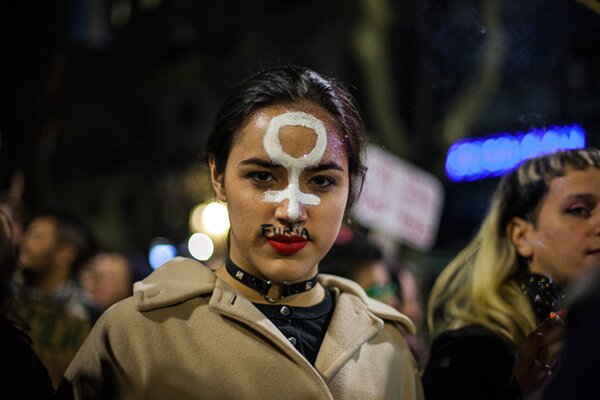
(291, 211)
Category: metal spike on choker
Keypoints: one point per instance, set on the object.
(273, 291)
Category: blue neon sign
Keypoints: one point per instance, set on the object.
(478, 158)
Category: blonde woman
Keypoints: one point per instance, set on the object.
(493, 311)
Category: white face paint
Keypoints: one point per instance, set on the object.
(294, 165)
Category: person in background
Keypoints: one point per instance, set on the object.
(354, 257)
(409, 292)
(23, 374)
(109, 277)
(49, 299)
(285, 154)
(494, 312)
(410, 304)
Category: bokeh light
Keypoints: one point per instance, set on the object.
(201, 246)
(196, 218)
(160, 253)
(215, 218)
(478, 158)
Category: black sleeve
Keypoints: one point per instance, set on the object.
(577, 374)
(470, 363)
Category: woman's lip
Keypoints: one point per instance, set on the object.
(287, 238)
(287, 247)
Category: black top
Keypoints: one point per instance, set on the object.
(304, 327)
(470, 363)
(475, 363)
(23, 374)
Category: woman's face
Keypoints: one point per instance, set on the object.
(286, 186)
(565, 240)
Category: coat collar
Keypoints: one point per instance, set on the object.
(176, 281)
(356, 317)
(352, 324)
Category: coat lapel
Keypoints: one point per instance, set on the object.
(225, 301)
(352, 324)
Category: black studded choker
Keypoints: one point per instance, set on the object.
(273, 291)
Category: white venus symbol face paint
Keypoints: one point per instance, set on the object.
(294, 165)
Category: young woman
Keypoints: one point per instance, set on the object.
(542, 231)
(284, 153)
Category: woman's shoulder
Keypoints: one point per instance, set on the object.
(176, 281)
(170, 286)
(470, 362)
(471, 344)
(472, 356)
(477, 335)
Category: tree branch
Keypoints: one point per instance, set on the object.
(473, 99)
(371, 44)
(593, 5)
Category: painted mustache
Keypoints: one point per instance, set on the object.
(285, 233)
(285, 240)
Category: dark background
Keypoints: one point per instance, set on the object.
(105, 105)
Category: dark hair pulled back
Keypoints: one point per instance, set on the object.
(288, 84)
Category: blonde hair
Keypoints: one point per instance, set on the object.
(479, 285)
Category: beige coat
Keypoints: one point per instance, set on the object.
(186, 334)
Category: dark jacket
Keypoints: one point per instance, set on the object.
(470, 363)
(578, 372)
(23, 374)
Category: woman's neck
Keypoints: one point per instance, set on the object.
(305, 299)
(544, 294)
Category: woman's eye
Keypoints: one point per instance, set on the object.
(322, 181)
(579, 210)
(261, 177)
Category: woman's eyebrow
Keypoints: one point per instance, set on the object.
(260, 162)
(324, 166)
(582, 196)
(270, 164)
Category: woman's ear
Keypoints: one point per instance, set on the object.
(519, 232)
(217, 179)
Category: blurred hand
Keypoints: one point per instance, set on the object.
(538, 357)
